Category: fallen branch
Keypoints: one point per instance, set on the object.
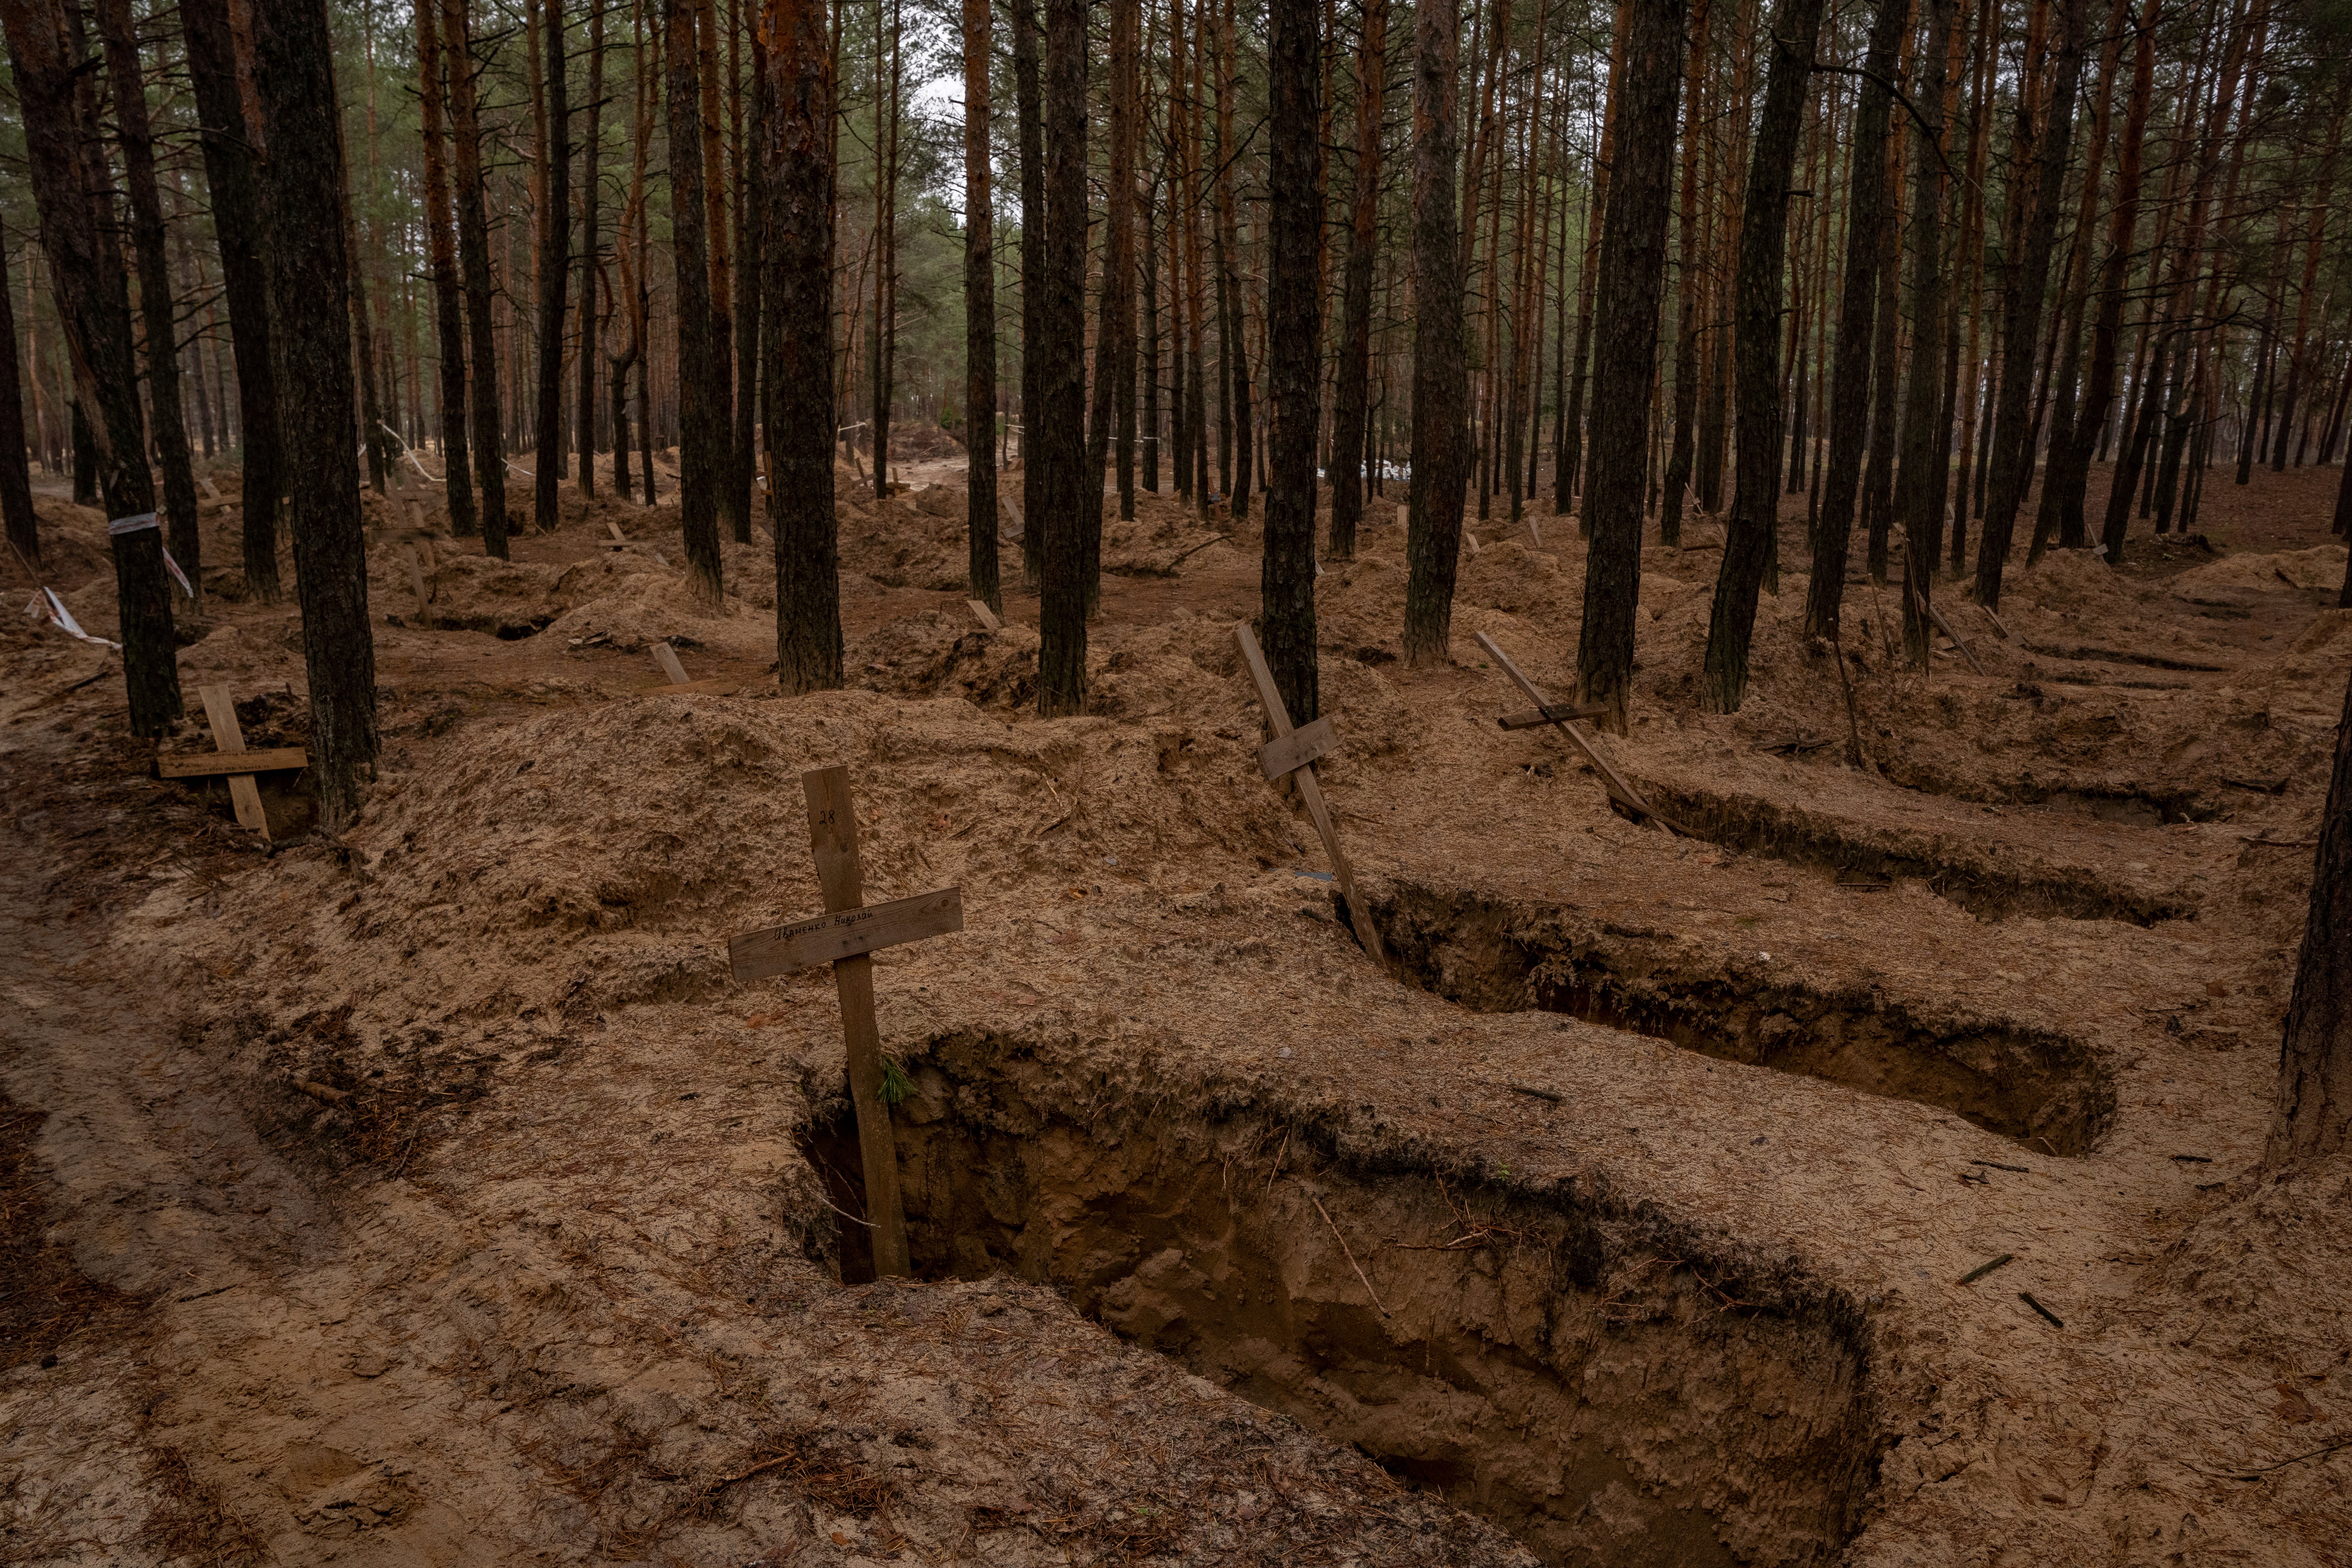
(1982, 1270)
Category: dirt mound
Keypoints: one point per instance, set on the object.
(2321, 566)
(650, 828)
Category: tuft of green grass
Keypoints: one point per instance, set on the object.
(896, 1085)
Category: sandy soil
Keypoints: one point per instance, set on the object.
(434, 1195)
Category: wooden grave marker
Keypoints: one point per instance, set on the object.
(415, 555)
(680, 684)
(620, 540)
(845, 937)
(1292, 754)
(986, 617)
(231, 758)
(1548, 711)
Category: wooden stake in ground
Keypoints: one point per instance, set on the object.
(233, 759)
(680, 683)
(984, 616)
(844, 937)
(1292, 752)
(1618, 787)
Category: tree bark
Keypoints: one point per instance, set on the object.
(1630, 288)
(2098, 399)
(474, 255)
(592, 166)
(1925, 476)
(441, 243)
(2047, 146)
(1763, 256)
(701, 439)
(1440, 371)
(718, 346)
(1348, 404)
(2313, 1116)
(1682, 450)
(979, 314)
(228, 148)
(155, 294)
(751, 208)
(22, 526)
(1857, 322)
(796, 331)
(69, 182)
(1028, 111)
(1294, 373)
(1056, 504)
(554, 273)
(1119, 260)
(311, 312)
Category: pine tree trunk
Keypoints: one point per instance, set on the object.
(701, 426)
(979, 313)
(554, 272)
(1056, 504)
(441, 249)
(1348, 406)
(2012, 438)
(751, 206)
(1849, 375)
(311, 338)
(1126, 113)
(234, 183)
(797, 333)
(1286, 626)
(93, 300)
(1028, 111)
(2313, 1116)
(170, 430)
(1440, 372)
(1629, 290)
(591, 164)
(1925, 477)
(1886, 373)
(730, 488)
(21, 525)
(1763, 255)
(1684, 446)
(474, 257)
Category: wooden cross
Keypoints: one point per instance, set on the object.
(232, 759)
(1565, 716)
(843, 938)
(1292, 754)
(619, 539)
(679, 684)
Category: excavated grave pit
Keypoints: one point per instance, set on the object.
(2050, 1092)
(1607, 1386)
(1978, 876)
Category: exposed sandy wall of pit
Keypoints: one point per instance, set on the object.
(1608, 1388)
(2050, 1092)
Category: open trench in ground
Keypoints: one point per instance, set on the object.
(2051, 1092)
(1607, 1385)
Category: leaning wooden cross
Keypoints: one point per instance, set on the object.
(679, 684)
(1292, 752)
(1565, 716)
(843, 938)
(232, 759)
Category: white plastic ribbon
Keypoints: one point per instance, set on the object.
(46, 603)
(122, 525)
